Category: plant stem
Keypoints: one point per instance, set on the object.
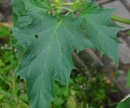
(67, 9)
(5, 80)
(13, 86)
(67, 4)
(120, 19)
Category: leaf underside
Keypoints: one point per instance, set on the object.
(45, 43)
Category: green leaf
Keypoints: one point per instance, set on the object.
(125, 103)
(20, 7)
(4, 32)
(128, 80)
(100, 30)
(49, 42)
(45, 43)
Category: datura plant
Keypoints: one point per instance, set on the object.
(48, 31)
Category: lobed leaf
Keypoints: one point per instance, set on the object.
(49, 42)
(100, 30)
(45, 44)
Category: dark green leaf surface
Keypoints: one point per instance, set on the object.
(48, 42)
(21, 7)
(100, 30)
(45, 44)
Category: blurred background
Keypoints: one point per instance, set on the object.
(95, 84)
